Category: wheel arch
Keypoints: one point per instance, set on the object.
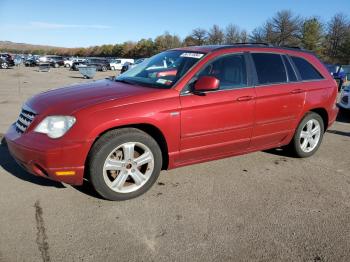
(323, 114)
(149, 129)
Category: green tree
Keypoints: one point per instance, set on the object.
(167, 41)
(312, 35)
(285, 28)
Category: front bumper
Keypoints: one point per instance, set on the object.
(55, 159)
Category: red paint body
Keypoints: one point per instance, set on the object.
(220, 124)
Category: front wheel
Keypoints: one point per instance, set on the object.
(104, 69)
(308, 136)
(4, 65)
(124, 164)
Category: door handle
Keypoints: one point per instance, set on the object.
(297, 91)
(245, 98)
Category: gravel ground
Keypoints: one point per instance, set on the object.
(264, 206)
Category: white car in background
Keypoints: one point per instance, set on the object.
(69, 62)
(117, 64)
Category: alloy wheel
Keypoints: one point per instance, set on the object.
(310, 135)
(128, 167)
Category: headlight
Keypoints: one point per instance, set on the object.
(55, 126)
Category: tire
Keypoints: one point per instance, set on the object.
(4, 65)
(307, 134)
(104, 68)
(109, 161)
(67, 66)
(56, 65)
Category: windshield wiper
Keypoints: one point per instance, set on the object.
(125, 81)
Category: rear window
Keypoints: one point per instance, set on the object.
(306, 70)
(269, 68)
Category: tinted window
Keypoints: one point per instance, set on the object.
(229, 69)
(306, 70)
(269, 68)
(291, 74)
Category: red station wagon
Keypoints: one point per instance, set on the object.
(180, 107)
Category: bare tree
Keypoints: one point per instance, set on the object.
(216, 35)
(244, 36)
(199, 36)
(337, 28)
(232, 34)
(263, 34)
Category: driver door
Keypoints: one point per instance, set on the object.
(218, 123)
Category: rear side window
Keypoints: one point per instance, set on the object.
(306, 70)
(269, 68)
(291, 74)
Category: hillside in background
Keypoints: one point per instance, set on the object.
(12, 47)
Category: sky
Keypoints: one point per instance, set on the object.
(82, 23)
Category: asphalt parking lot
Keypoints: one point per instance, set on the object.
(264, 206)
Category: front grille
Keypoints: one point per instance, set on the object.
(24, 120)
(345, 100)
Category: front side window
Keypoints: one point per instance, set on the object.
(306, 70)
(162, 70)
(229, 69)
(269, 68)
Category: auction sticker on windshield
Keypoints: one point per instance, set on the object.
(192, 55)
(164, 81)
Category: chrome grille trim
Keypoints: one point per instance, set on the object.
(24, 119)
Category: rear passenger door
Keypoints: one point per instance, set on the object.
(279, 99)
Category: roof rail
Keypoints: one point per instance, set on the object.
(293, 47)
(254, 43)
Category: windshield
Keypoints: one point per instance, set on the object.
(162, 70)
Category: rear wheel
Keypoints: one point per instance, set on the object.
(56, 65)
(104, 68)
(67, 65)
(124, 164)
(308, 136)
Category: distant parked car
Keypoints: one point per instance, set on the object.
(338, 74)
(31, 62)
(4, 63)
(8, 58)
(128, 65)
(76, 64)
(344, 102)
(100, 63)
(55, 61)
(117, 64)
(69, 61)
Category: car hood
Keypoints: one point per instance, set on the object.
(72, 98)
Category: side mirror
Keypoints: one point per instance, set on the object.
(206, 83)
